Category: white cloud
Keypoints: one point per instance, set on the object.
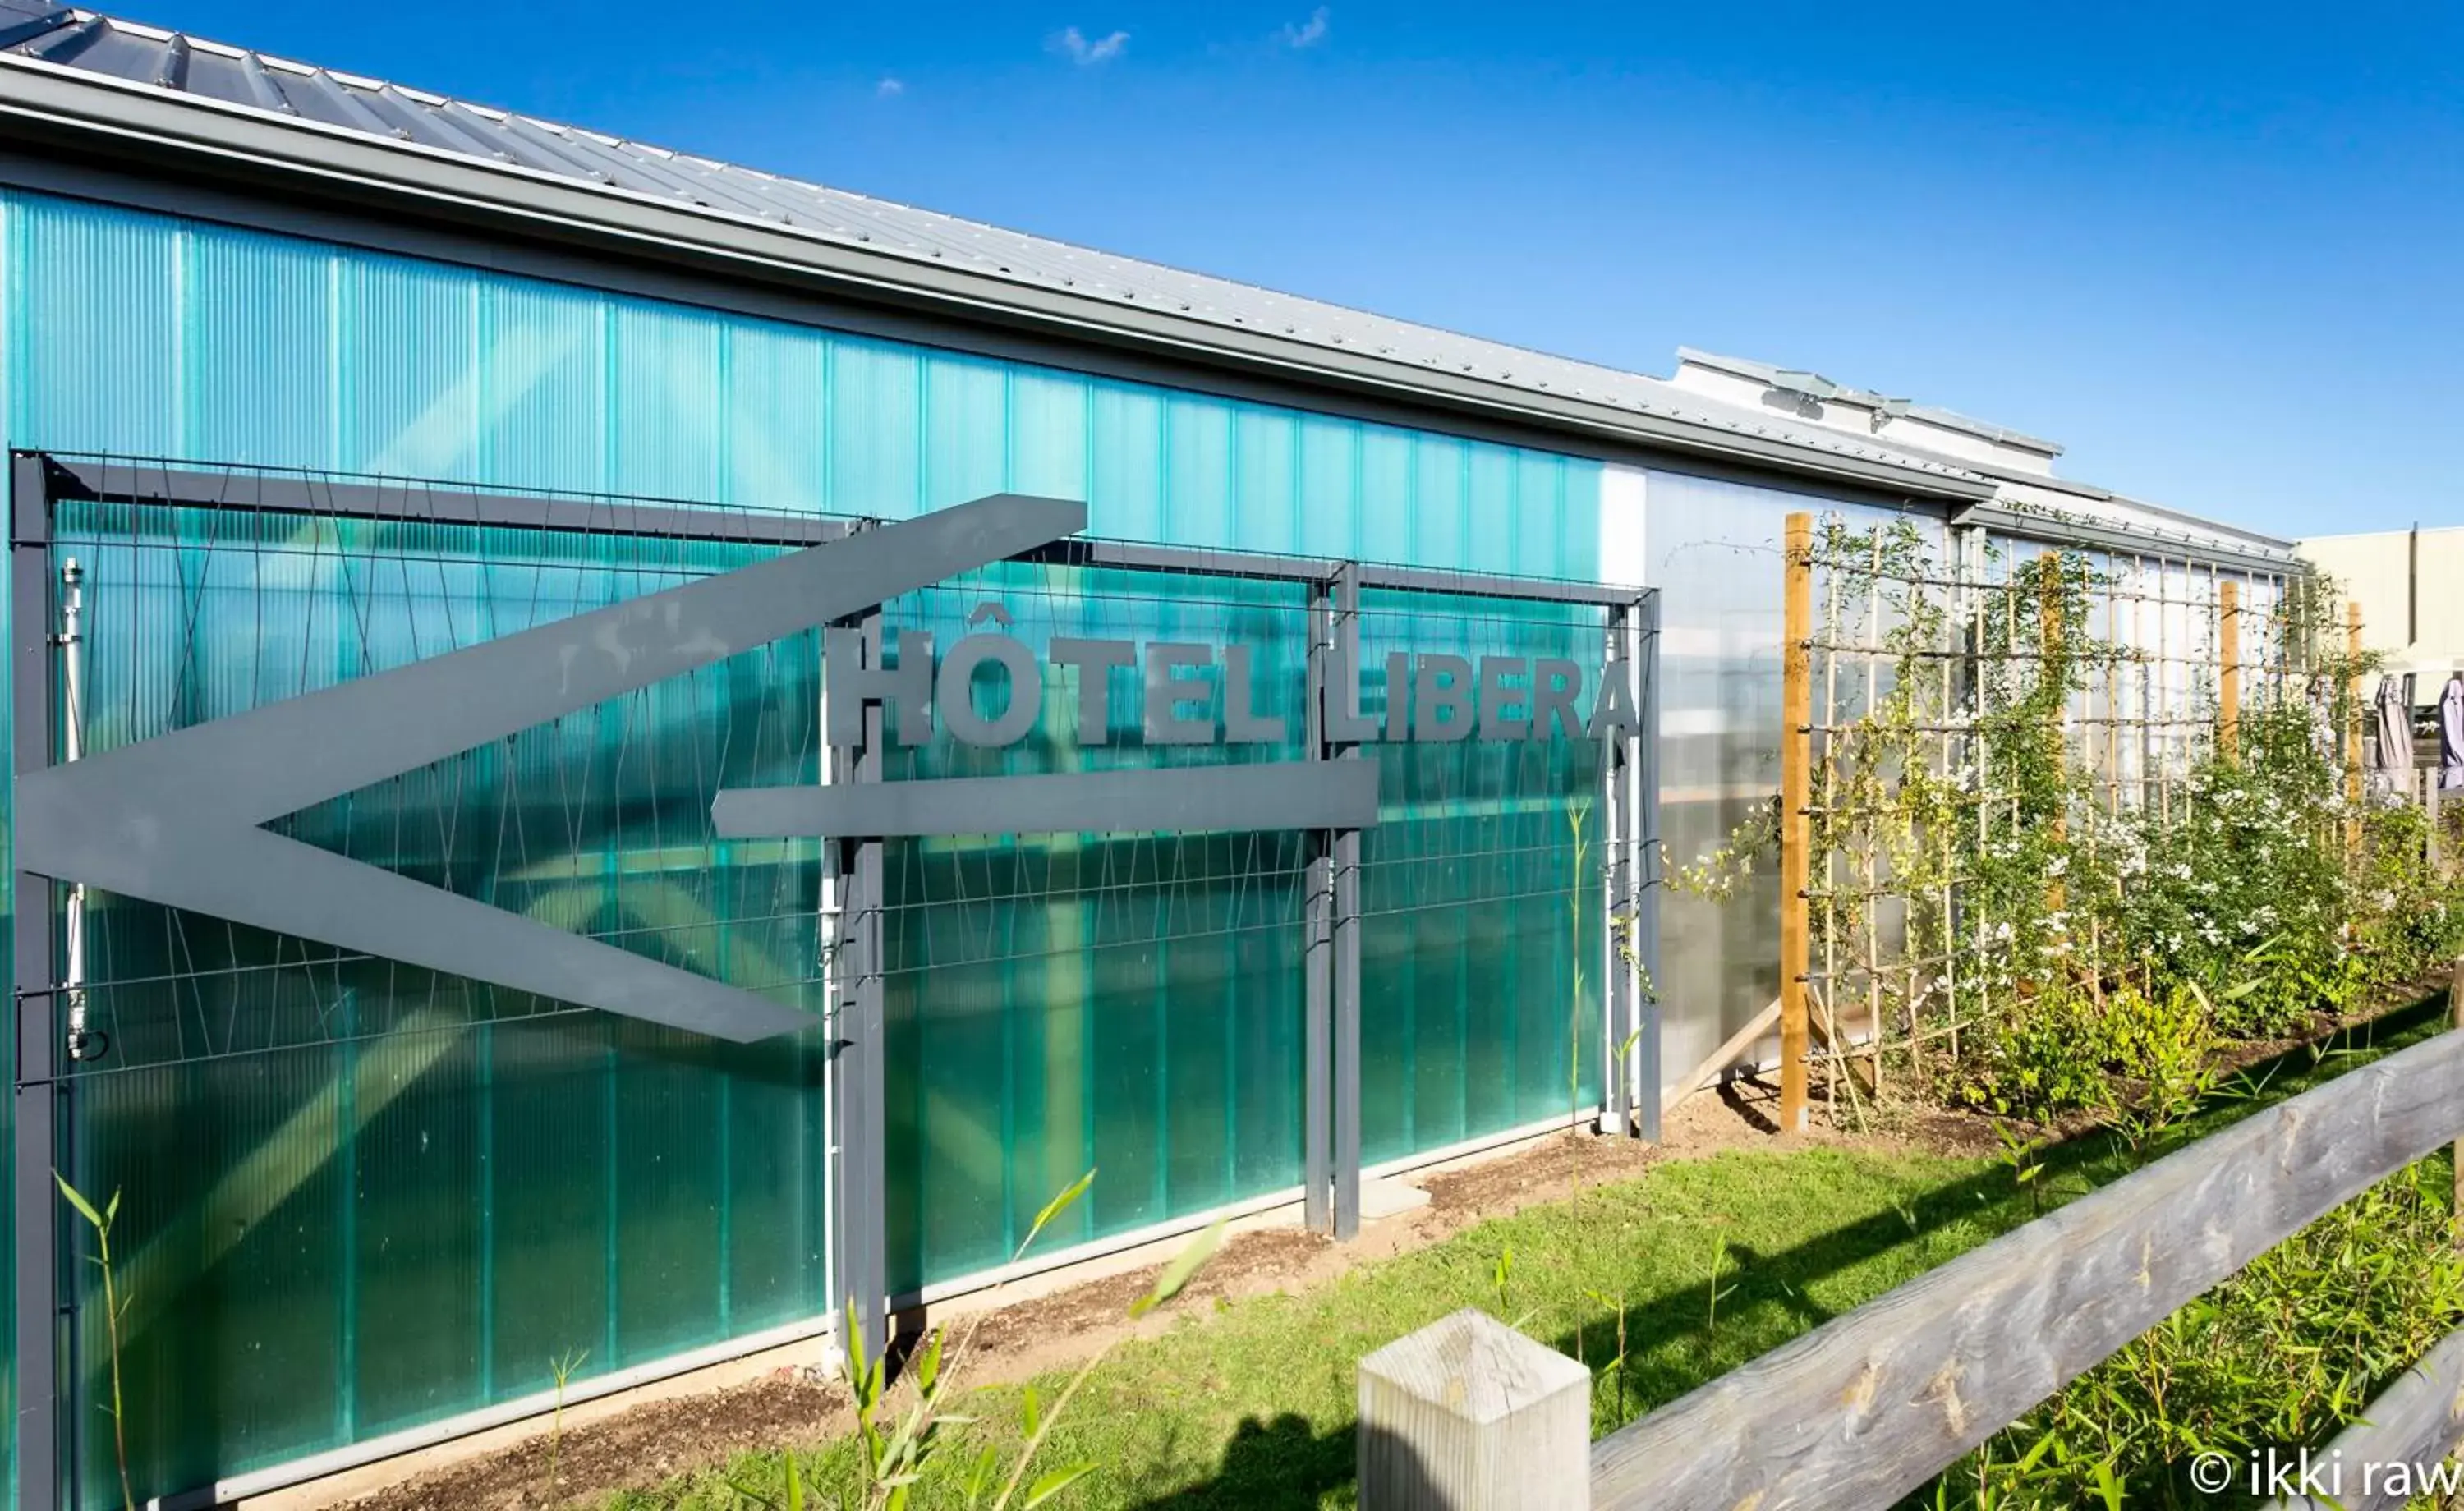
(1306, 34)
(890, 88)
(1072, 44)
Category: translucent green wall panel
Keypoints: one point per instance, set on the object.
(1480, 903)
(360, 1196)
(1070, 1003)
(494, 1207)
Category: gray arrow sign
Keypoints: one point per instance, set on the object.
(176, 820)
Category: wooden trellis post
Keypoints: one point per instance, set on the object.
(2352, 726)
(1796, 827)
(2049, 644)
(2229, 679)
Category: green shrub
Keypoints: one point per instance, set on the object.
(2045, 1056)
(2144, 1059)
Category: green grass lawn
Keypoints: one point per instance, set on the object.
(1249, 1403)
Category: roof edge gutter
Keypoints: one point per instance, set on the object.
(2055, 528)
(123, 121)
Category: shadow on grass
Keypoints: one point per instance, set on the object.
(1286, 1463)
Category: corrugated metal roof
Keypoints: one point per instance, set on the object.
(122, 54)
(127, 50)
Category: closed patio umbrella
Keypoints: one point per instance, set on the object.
(2392, 719)
(2450, 735)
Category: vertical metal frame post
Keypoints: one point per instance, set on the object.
(1618, 938)
(1346, 930)
(35, 1153)
(1630, 782)
(859, 1083)
(1318, 949)
(1642, 819)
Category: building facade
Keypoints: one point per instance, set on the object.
(2405, 583)
(367, 1201)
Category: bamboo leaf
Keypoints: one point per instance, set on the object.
(1059, 1204)
(1183, 1267)
(857, 1376)
(751, 1495)
(76, 1200)
(928, 1365)
(980, 1475)
(1053, 1483)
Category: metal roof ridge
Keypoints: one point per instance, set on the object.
(1622, 391)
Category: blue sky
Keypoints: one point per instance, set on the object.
(2217, 251)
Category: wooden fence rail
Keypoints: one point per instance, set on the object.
(1873, 1404)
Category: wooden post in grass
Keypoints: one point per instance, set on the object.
(1469, 1413)
(2229, 681)
(1796, 827)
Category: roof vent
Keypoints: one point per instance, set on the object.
(1813, 386)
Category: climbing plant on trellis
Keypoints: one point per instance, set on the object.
(1994, 741)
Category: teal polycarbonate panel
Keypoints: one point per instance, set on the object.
(146, 336)
(408, 373)
(773, 406)
(876, 409)
(1125, 1003)
(97, 306)
(1129, 476)
(1048, 434)
(1196, 466)
(1327, 467)
(360, 1196)
(281, 295)
(1482, 911)
(665, 438)
(966, 412)
(543, 403)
